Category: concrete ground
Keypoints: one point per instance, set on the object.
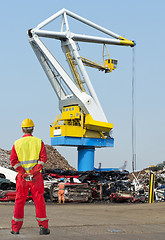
(90, 221)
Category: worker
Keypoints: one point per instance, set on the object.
(28, 156)
(61, 190)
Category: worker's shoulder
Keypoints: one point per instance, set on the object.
(26, 138)
(17, 141)
(39, 139)
(36, 139)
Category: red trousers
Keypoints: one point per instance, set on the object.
(37, 190)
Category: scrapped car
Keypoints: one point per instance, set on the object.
(9, 174)
(74, 192)
(7, 195)
(121, 197)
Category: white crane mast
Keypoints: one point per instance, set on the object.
(82, 122)
(54, 71)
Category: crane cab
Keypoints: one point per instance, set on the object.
(111, 64)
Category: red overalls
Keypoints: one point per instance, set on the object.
(36, 186)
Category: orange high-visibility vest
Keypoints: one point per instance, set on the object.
(28, 151)
(61, 186)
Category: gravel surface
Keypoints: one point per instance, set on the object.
(90, 222)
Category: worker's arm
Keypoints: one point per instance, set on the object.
(15, 162)
(42, 160)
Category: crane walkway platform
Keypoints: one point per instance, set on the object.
(78, 141)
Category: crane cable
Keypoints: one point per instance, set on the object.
(133, 113)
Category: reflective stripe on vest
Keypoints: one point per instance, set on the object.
(61, 186)
(28, 151)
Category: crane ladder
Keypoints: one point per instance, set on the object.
(75, 71)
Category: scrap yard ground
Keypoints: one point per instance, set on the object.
(90, 221)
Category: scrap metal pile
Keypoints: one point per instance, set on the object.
(118, 186)
(140, 181)
(5, 158)
(93, 186)
(110, 186)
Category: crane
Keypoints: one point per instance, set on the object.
(82, 121)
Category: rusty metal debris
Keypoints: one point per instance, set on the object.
(91, 185)
(117, 186)
(109, 186)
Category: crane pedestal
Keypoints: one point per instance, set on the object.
(86, 148)
(85, 158)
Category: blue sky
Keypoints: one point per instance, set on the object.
(26, 91)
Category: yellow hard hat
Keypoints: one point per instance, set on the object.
(27, 123)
